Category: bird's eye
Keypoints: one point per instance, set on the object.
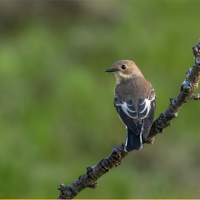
(123, 66)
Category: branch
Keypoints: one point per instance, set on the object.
(93, 173)
(189, 85)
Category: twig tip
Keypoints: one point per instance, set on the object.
(62, 187)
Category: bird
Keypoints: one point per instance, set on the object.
(135, 102)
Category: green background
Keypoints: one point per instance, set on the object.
(56, 103)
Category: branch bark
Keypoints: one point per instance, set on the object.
(186, 93)
(195, 97)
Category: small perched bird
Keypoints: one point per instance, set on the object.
(135, 102)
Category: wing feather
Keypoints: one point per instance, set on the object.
(137, 120)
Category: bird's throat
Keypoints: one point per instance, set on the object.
(119, 76)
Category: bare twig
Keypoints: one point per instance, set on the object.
(93, 173)
(189, 85)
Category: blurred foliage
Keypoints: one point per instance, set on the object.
(56, 105)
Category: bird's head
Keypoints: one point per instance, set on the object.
(124, 69)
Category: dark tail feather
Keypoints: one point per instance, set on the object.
(133, 142)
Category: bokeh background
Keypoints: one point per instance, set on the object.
(56, 103)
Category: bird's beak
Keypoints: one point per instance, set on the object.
(111, 70)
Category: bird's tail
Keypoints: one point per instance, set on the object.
(133, 142)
